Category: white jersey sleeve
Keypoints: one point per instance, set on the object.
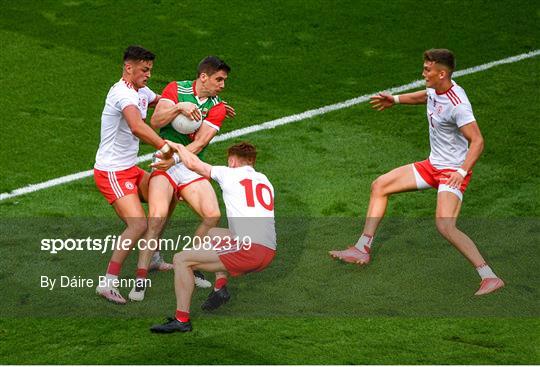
(146, 96)
(463, 114)
(218, 173)
(122, 98)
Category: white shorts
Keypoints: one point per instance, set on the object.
(179, 176)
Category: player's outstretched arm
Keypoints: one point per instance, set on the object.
(418, 97)
(145, 132)
(383, 100)
(190, 160)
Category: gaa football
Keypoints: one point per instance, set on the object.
(185, 125)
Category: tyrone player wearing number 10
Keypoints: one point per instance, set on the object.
(249, 202)
(456, 144)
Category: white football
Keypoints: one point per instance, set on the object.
(185, 125)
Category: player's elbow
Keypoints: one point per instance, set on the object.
(136, 129)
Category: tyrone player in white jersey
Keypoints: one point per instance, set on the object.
(116, 174)
(456, 144)
(248, 245)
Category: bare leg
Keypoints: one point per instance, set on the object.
(143, 187)
(202, 198)
(130, 210)
(184, 262)
(160, 206)
(221, 233)
(398, 180)
(448, 208)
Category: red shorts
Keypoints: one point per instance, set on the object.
(242, 260)
(435, 177)
(116, 184)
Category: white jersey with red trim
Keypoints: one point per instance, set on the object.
(119, 147)
(447, 113)
(249, 201)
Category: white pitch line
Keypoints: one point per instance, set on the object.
(275, 123)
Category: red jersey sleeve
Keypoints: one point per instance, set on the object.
(170, 92)
(216, 115)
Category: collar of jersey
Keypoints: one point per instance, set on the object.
(446, 91)
(128, 84)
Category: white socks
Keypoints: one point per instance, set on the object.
(364, 243)
(111, 279)
(485, 272)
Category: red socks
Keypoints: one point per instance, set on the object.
(141, 273)
(220, 283)
(182, 316)
(114, 268)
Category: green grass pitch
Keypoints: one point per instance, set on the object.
(412, 305)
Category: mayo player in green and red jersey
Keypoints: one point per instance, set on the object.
(197, 99)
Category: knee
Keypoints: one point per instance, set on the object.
(445, 226)
(378, 186)
(213, 232)
(158, 211)
(138, 226)
(155, 224)
(211, 216)
(179, 259)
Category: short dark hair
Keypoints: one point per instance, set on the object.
(441, 56)
(244, 150)
(138, 53)
(212, 64)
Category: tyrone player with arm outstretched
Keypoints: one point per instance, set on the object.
(248, 245)
(456, 144)
(197, 99)
(116, 174)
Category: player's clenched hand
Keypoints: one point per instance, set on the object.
(229, 110)
(454, 179)
(190, 110)
(382, 101)
(163, 164)
(166, 155)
